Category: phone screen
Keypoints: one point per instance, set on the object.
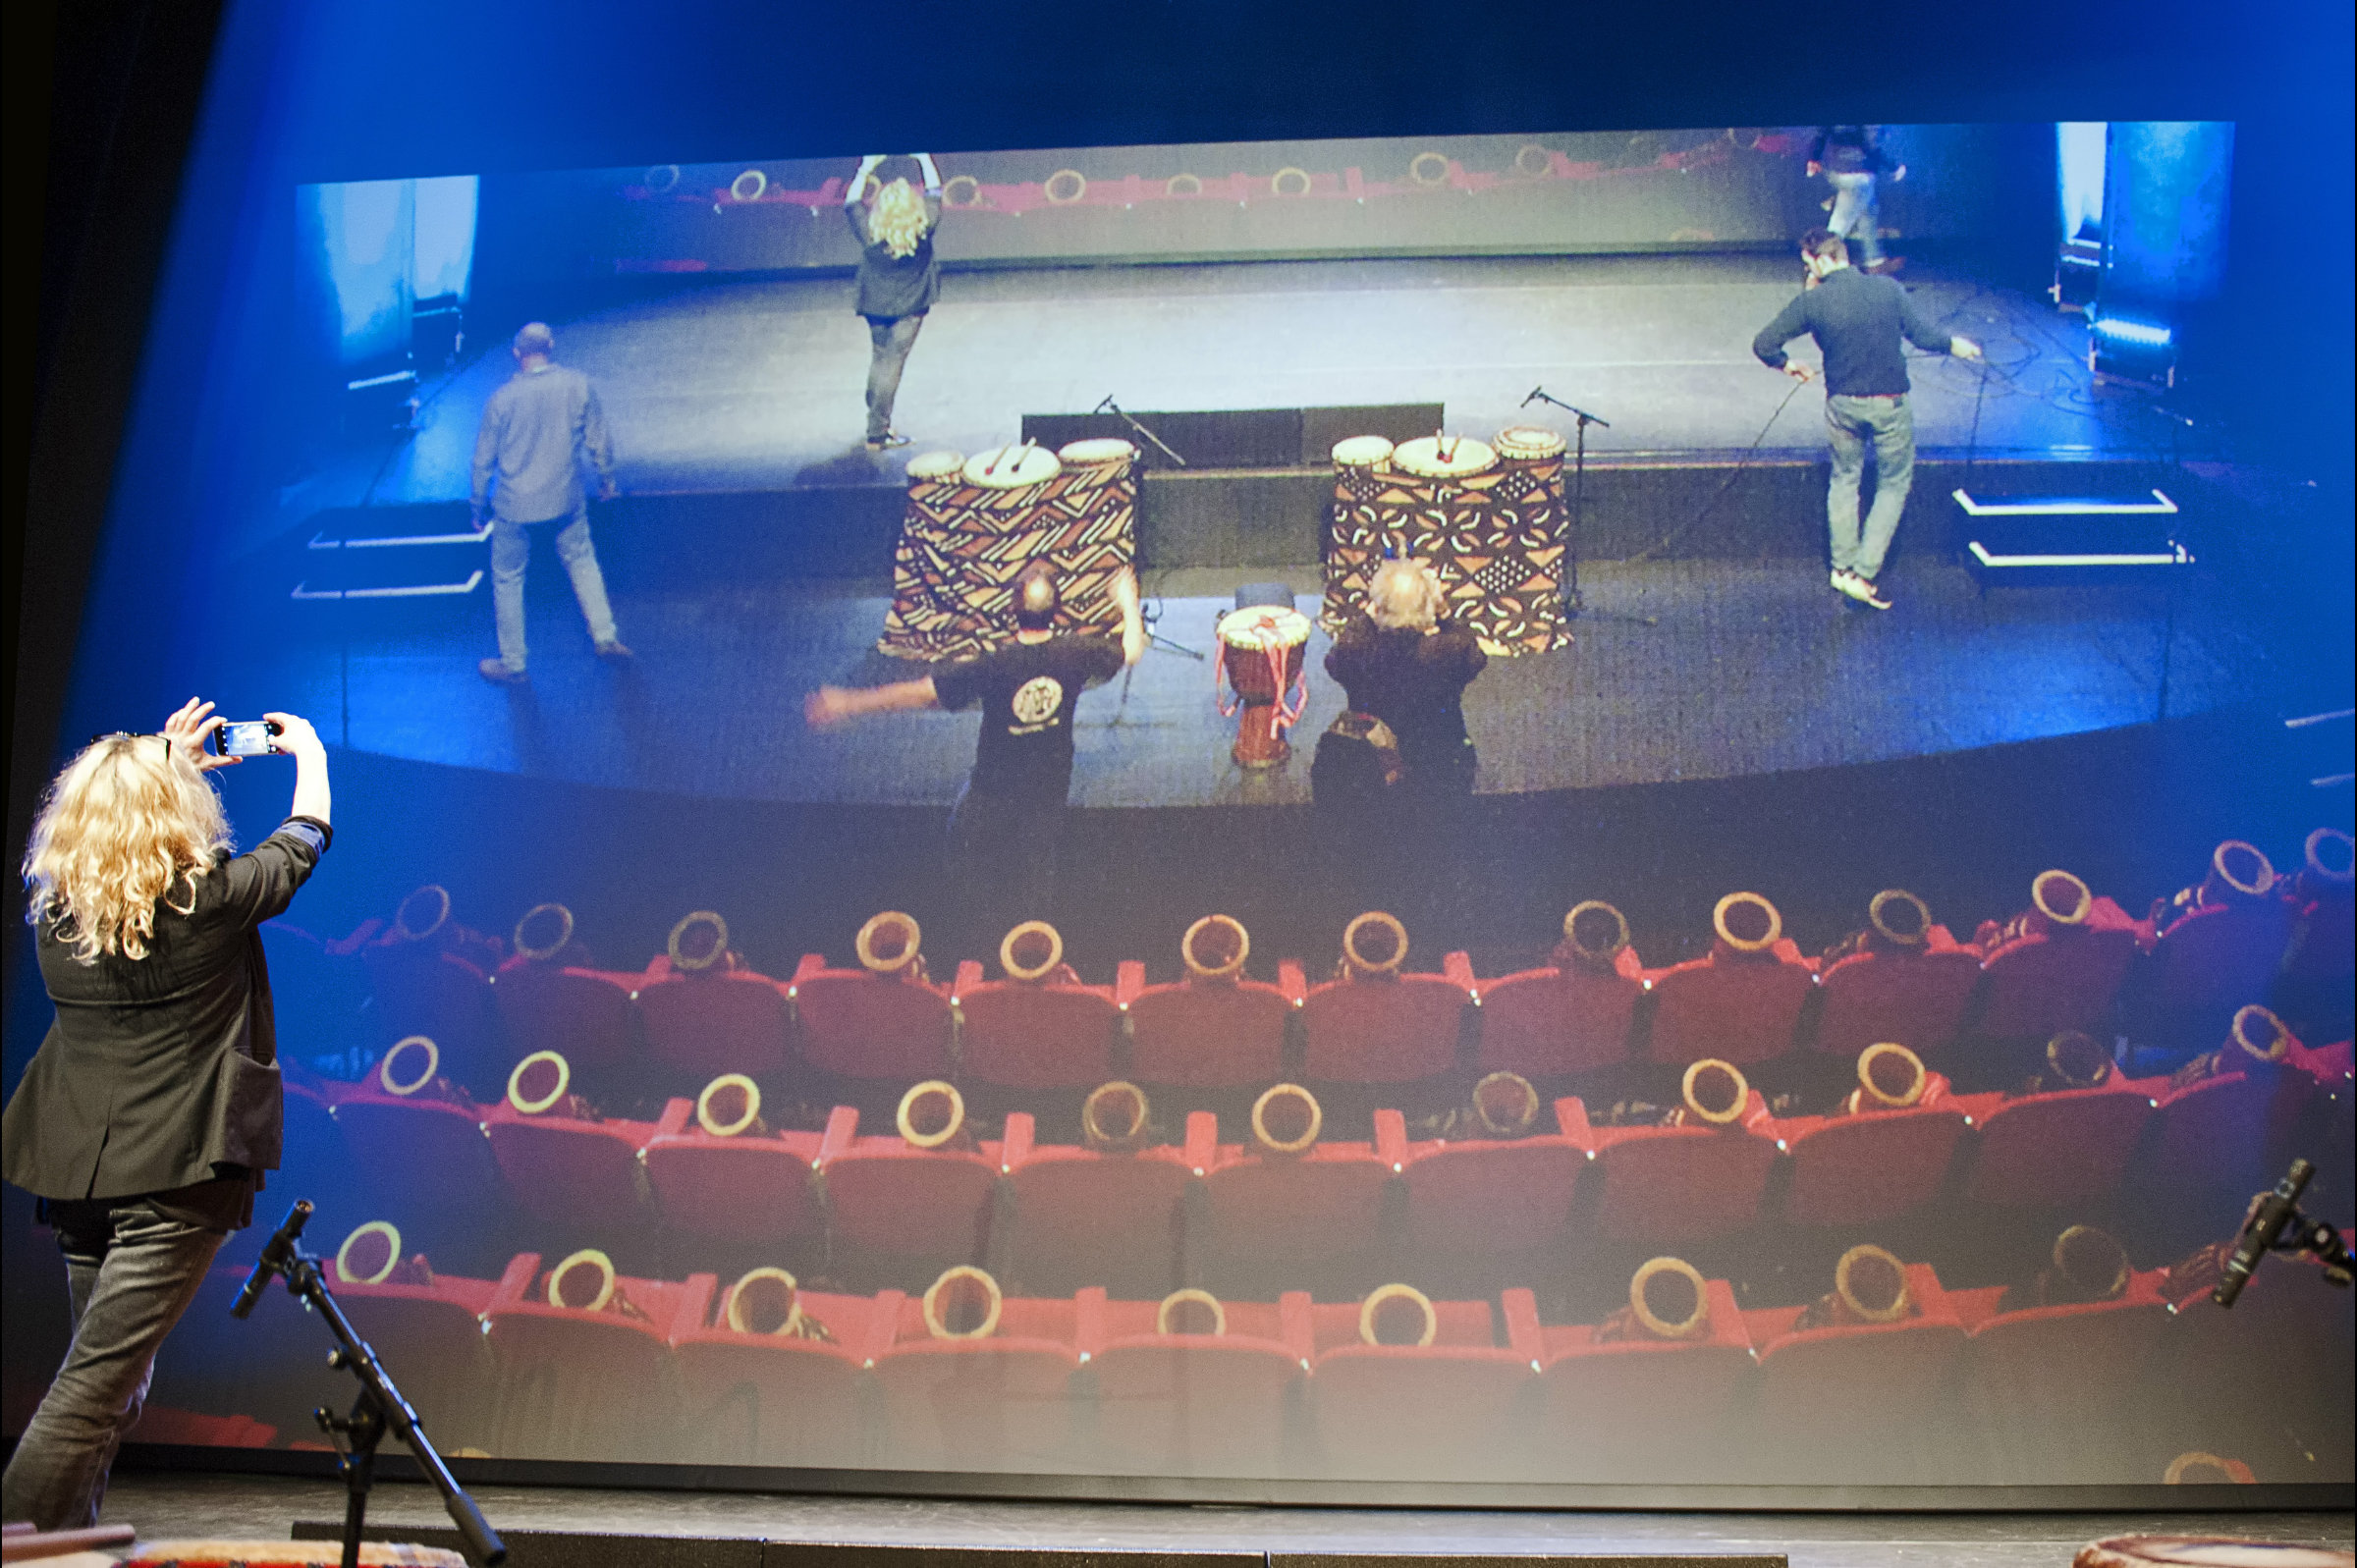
(248, 739)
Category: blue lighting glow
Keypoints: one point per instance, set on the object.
(2079, 175)
(2124, 329)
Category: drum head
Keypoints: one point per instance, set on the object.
(1097, 451)
(1264, 626)
(1011, 467)
(1431, 458)
(1361, 452)
(936, 464)
(2207, 1551)
(1528, 441)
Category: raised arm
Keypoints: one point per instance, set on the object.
(298, 740)
(924, 161)
(830, 706)
(859, 186)
(1134, 624)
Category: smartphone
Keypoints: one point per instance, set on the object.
(251, 737)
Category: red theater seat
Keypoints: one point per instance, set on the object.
(1651, 1410)
(1052, 1033)
(160, 1423)
(2058, 1392)
(2043, 981)
(1560, 1020)
(995, 1404)
(1864, 1403)
(1386, 1029)
(1081, 1213)
(1201, 1034)
(1740, 1007)
(1496, 1196)
(1910, 997)
(1671, 1185)
(1195, 1404)
(893, 1200)
(318, 987)
(754, 1187)
(1873, 1165)
(2055, 1148)
(703, 1023)
(424, 1163)
(581, 1176)
(432, 1338)
(1444, 1410)
(2232, 1131)
(774, 1399)
(2218, 957)
(312, 1156)
(1267, 1209)
(864, 1028)
(582, 1015)
(582, 1385)
(423, 987)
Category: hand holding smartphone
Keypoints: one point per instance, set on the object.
(251, 737)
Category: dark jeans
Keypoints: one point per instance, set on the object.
(133, 1266)
(1002, 863)
(892, 337)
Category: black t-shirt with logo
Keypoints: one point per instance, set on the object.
(1028, 692)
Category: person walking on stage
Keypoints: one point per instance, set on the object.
(144, 1122)
(900, 278)
(1853, 163)
(537, 431)
(1008, 823)
(1859, 323)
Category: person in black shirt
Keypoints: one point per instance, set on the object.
(1008, 824)
(900, 278)
(1858, 323)
(1403, 662)
(144, 1122)
(1853, 163)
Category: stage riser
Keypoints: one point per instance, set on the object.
(1254, 519)
(548, 1549)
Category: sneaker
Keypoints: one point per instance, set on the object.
(1886, 266)
(890, 438)
(496, 671)
(1838, 578)
(1863, 590)
(615, 652)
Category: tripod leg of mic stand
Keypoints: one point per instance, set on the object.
(366, 1427)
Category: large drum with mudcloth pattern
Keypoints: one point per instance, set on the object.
(973, 525)
(1261, 651)
(1487, 516)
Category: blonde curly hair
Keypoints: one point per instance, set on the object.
(897, 221)
(128, 821)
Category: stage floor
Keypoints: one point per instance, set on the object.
(757, 384)
(168, 1504)
(1749, 668)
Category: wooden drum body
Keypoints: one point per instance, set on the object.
(1262, 651)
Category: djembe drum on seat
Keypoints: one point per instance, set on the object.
(1261, 651)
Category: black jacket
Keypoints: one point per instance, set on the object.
(161, 1072)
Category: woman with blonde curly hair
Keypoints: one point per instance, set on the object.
(144, 1122)
(900, 278)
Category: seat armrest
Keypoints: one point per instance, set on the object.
(1128, 981)
(515, 1282)
(813, 963)
(842, 1126)
(1295, 1322)
(361, 934)
(1458, 967)
(1014, 1147)
(696, 1296)
(874, 1337)
(1571, 1121)
(969, 975)
(1522, 1332)
(678, 1115)
(1291, 981)
(1391, 1139)
(1202, 1140)
(1088, 1321)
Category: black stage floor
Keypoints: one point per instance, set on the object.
(166, 1505)
(755, 384)
(1751, 667)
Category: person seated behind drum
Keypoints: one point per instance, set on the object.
(1006, 829)
(1403, 662)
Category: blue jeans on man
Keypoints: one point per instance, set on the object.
(1853, 425)
(512, 552)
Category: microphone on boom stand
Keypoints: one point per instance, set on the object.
(1148, 612)
(1575, 604)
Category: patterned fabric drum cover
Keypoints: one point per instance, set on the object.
(1489, 520)
(972, 526)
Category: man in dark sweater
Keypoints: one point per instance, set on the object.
(900, 278)
(1007, 827)
(1859, 322)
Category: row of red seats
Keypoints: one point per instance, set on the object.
(2063, 964)
(711, 1173)
(1896, 1380)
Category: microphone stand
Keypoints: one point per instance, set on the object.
(378, 1409)
(1154, 640)
(1574, 604)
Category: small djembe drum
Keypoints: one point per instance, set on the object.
(1261, 651)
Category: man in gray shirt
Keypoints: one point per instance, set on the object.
(1859, 322)
(536, 431)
